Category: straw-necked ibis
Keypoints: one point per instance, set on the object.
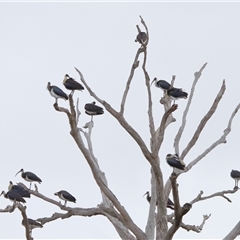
(176, 93)
(235, 174)
(13, 196)
(162, 84)
(174, 161)
(141, 38)
(19, 189)
(29, 177)
(92, 109)
(66, 196)
(56, 92)
(170, 204)
(71, 84)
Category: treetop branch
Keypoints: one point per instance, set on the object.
(197, 75)
(203, 122)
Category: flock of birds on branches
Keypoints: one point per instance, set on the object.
(18, 193)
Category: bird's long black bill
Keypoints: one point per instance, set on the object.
(145, 194)
(18, 173)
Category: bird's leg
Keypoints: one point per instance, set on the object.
(30, 186)
(91, 118)
(65, 203)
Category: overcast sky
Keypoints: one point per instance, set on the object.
(41, 42)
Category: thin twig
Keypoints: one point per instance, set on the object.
(217, 194)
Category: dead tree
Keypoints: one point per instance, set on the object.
(111, 207)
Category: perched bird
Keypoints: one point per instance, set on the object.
(141, 38)
(164, 85)
(13, 196)
(235, 174)
(71, 84)
(32, 224)
(92, 109)
(176, 93)
(170, 204)
(174, 161)
(19, 189)
(66, 196)
(56, 92)
(29, 177)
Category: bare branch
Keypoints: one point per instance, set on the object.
(147, 82)
(222, 139)
(78, 111)
(98, 176)
(160, 132)
(204, 121)
(84, 212)
(217, 194)
(205, 218)
(61, 109)
(9, 208)
(179, 211)
(134, 66)
(25, 220)
(146, 28)
(197, 75)
(233, 233)
(193, 228)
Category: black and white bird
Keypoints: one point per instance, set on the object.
(162, 84)
(92, 109)
(32, 224)
(56, 92)
(174, 161)
(71, 84)
(141, 38)
(66, 196)
(170, 204)
(19, 189)
(176, 93)
(13, 196)
(235, 174)
(29, 177)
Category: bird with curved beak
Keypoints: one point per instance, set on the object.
(56, 92)
(71, 84)
(92, 109)
(13, 196)
(66, 196)
(235, 174)
(29, 177)
(162, 84)
(170, 204)
(19, 189)
(174, 161)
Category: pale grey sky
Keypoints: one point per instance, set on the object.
(41, 42)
